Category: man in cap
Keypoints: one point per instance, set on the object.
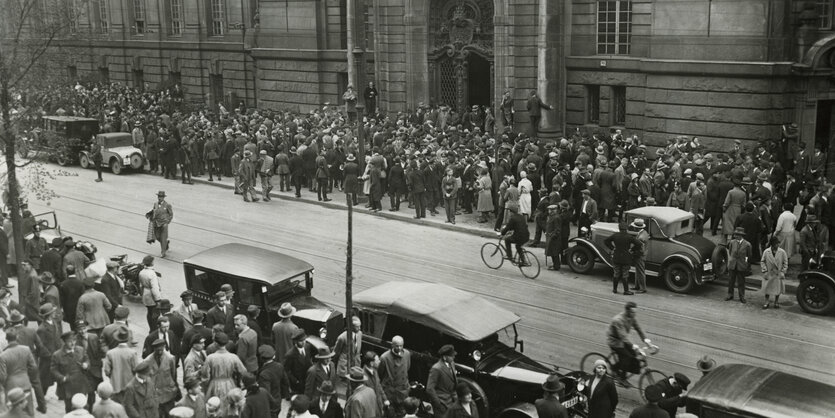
(623, 246)
(120, 362)
(93, 306)
(739, 256)
(298, 360)
(272, 378)
(283, 331)
(651, 409)
(140, 397)
(105, 406)
(587, 211)
(440, 386)
(617, 337)
(163, 371)
(69, 367)
(252, 313)
(198, 329)
(18, 370)
(363, 401)
(323, 369)
(221, 313)
(111, 287)
(196, 357)
(549, 405)
(601, 392)
(52, 261)
(194, 399)
(151, 292)
(35, 248)
(674, 392)
(49, 331)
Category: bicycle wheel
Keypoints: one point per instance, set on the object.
(530, 268)
(648, 378)
(492, 255)
(587, 363)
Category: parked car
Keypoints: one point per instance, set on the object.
(682, 258)
(265, 279)
(816, 292)
(117, 153)
(62, 138)
(48, 221)
(741, 390)
(504, 382)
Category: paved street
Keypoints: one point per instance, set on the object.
(563, 315)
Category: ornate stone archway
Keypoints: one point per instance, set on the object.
(460, 36)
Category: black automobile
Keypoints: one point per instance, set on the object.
(265, 279)
(816, 292)
(61, 138)
(505, 383)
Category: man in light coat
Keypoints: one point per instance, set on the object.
(247, 344)
(151, 292)
(120, 362)
(93, 306)
(18, 370)
(163, 371)
(363, 401)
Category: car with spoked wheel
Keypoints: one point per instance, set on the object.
(117, 151)
(505, 383)
(816, 291)
(60, 138)
(674, 253)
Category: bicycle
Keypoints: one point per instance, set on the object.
(648, 376)
(493, 255)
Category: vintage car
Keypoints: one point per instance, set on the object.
(48, 221)
(741, 390)
(504, 382)
(816, 292)
(117, 153)
(62, 138)
(265, 279)
(682, 258)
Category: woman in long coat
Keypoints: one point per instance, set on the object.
(350, 183)
(732, 207)
(376, 188)
(525, 189)
(220, 369)
(485, 195)
(774, 265)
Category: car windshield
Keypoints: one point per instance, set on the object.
(285, 289)
(117, 141)
(503, 339)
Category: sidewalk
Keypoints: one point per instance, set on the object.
(466, 223)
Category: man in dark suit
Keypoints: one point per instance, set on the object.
(515, 232)
(535, 105)
(440, 386)
(622, 245)
(792, 190)
(140, 398)
(49, 332)
(418, 189)
(272, 378)
(326, 405)
(550, 406)
(739, 254)
(52, 260)
(297, 361)
(164, 333)
(18, 370)
(601, 392)
(674, 389)
(176, 322)
(221, 313)
(397, 184)
(110, 287)
(587, 211)
(296, 171)
(71, 290)
(323, 369)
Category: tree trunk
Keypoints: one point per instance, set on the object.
(14, 194)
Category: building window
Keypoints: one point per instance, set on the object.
(614, 27)
(619, 105)
(176, 17)
(174, 77)
(218, 16)
(593, 104)
(139, 17)
(824, 10)
(104, 74)
(139, 80)
(104, 18)
(72, 72)
(72, 15)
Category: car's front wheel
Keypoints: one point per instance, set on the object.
(84, 160)
(816, 296)
(679, 277)
(580, 259)
(116, 167)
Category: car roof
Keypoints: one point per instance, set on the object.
(113, 134)
(248, 262)
(444, 308)
(70, 119)
(764, 392)
(663, 214)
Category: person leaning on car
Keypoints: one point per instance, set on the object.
(440, 386)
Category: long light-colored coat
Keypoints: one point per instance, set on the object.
(734, 202)
(774, 266)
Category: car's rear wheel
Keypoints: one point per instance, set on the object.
(479, 396)
(678, 277)
(719, 261)
(84, 160)
(136, 162)
(816, 296)
(580, 259)
(116, 166)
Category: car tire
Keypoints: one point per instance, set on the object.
(136, 161)
(816, 296)
(479, 396)
(678, 277)
(116, 166)
(719, 260)
(62, 159)
(580, 259)
(84, 160)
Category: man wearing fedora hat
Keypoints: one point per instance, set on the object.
(814, 240)
(549, 405)
(120, 362)
(297, 361)
(326, 406)
(674, 390)
(362, 403)
(705, 364)
(283, 331)
(321, 370)
(17, 401)
(161, 215)
(440, 385)
(739, 254)
(69, 366)
(638, 227)
(52, 260)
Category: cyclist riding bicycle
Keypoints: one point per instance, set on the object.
(516, 232)
(616, 337)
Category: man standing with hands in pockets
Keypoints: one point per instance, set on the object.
(739, 252)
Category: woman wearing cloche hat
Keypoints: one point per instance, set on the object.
(601, 391)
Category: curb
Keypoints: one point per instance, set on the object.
(756, 283)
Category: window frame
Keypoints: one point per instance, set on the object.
(622, 9)
(103, 10)
(139, 14)
(593, 104)
(176, 22)
(217, 17)
(618, 94)
(823, 8)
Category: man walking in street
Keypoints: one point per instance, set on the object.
(283, 331)
(161, 215)
(739, 255)
(623, 246)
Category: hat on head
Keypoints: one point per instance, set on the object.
(185, 295)
(638, 223)
(633, 176)
(286, 310)
(80, 323)
(324, 353)
(105, 390)
(682, 380)
(142, 367)
(700, 176)
(47, 309)
(121, 312)
(79, 400)
(122, 334)
(326, 388)
(601, 362)
(69, 242)
(248, 379)
(263, 152)
(564, 204)
(688, 171)
(158, 342)
(90, 281)
(299, 335)
(252, 309)
(585, 191)
(15, 317)
(300, 403)
(221, 338)
(553, 207)
(350, 157)
(46, 278)
(247, 153)
(762, 176)
(198, 339)
(811, 219)
(164, 305)
(16, 396)
(706, 364)
(57, 241)
(356, 374)
(653, 394)
(266, 351)
(163, 318)
(739, 231)
(161, 193)
(553, 384)
(226, 287)
(650, 200)
(148, 260)
(181, 412)
(447, 350)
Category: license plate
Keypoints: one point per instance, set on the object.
(708, 266)
(571, 402)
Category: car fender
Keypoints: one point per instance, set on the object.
(816, 274)
(519, 410)
(582, 241)
(678, 257)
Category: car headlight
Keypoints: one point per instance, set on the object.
(580, 386)
(323, 333)
(476, 355)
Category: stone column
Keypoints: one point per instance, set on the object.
(417, 61)
(549, 69)
(503, 59)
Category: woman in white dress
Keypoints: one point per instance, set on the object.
(785, 229)
(525, 188)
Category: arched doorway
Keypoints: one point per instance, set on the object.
(461, 53)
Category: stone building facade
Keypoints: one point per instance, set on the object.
(717, 69)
